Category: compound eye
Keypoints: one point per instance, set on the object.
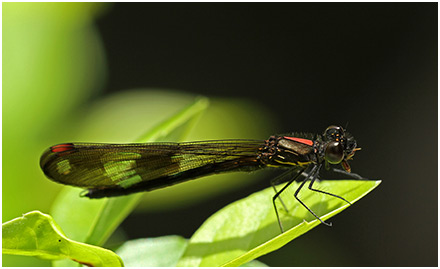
(334, 152)
(334, 133)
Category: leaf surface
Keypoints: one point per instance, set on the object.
(248, 228)
(37, 234)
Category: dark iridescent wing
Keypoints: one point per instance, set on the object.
(148, 166)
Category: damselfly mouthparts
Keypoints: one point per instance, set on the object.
(119, 169)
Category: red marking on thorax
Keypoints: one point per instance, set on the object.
(62, 147)
(300, 140)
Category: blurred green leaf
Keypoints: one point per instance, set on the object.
(37, 234)
(162, 251)
(93, 221)
(248, 229)
(51, 52)
(53, 60)
(186, 118)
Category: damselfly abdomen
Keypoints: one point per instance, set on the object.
(108, 170)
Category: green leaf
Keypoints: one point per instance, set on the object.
(248, 228)
(37, 234)
(185, 118)
(67, 54)
(93, 221)
(162, 251)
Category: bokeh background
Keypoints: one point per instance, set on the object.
(108, 72)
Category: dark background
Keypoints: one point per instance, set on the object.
(373, 65)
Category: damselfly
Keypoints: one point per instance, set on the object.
(108, 170)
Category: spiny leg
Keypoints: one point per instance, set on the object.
(324, 192)
(280, 178)
(278, 194)
(313, 173)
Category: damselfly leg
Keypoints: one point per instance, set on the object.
(324, 192)
(286, 176)
(277, 194)
(312, 176)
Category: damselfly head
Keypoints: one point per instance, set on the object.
(340, 146)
